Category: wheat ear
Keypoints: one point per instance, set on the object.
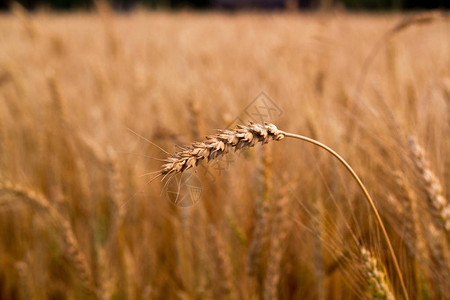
(248, 136)
(440, 208)
(220, 144)
(375, 276)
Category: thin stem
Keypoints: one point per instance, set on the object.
(366, 194)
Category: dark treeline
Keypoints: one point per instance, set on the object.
(232, 4)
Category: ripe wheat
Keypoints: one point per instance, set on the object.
(248, 136)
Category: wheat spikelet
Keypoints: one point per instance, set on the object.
(77, 257)
(439, 206)
(277, 236)
(375, 276)
(220, 144)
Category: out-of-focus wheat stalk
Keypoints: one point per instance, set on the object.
(278, 233)
(195, 118)
(74, 252)
(421, 18)
(224, 277)
(319, 270)
(106, 14)
(116, 189)
(105, 281)
(28, 24)
(260, 235)
(24, 280)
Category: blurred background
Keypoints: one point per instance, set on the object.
(85, 85)
(125, 5)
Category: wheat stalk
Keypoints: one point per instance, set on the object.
(248, 136)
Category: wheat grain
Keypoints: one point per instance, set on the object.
(375, 276)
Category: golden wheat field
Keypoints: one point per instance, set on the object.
(92, 103)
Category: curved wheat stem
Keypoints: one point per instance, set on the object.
(248, 136)
(366, 194)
